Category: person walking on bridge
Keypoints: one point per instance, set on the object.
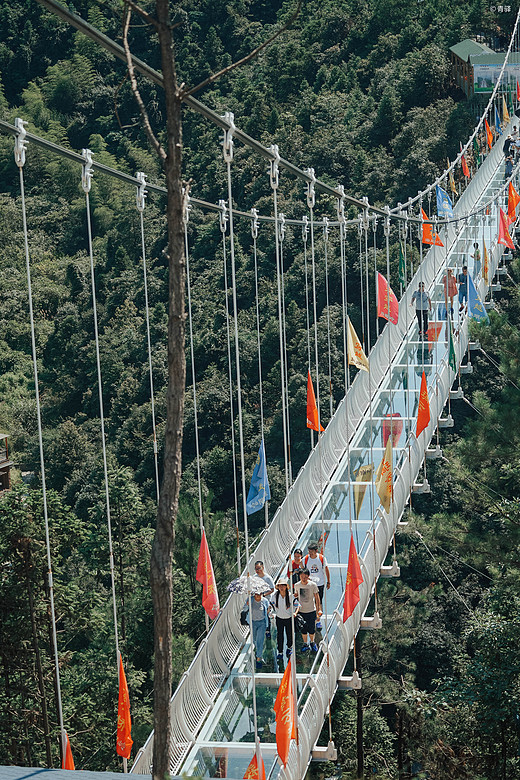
(423, 305)
(307, 594)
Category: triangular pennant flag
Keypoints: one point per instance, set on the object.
(402, 266)
(206, 577)
(513, 199)
(284, 708)
(475, 306)
(489, 134)
(124, 722)
(503, 231)
(505, 113)
(486, 263)
(67, 761)
(452, 358)
(252, 772)
(354, 580)
(387, 303)
(385, 477)
(423, 415)
(363, 476)
(355, 353)
(427, 233)
(312, 410)
(434, 331)
(464, 164)
(259, 491)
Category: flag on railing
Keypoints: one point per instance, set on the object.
(510, 98)
(444, 204)
(489, 134)
(402, 266)
(423, 415)
(124, 721)
(464, 164)
(475, 306)
(505, 113)
(451, 180)
(355, 354)
(252, 772)
(206, 577)
(452, 358)
(354, 580)
(427, 233)
(486, 263)
(476, 151)
(312, 410)
(285, 709)
(513, 199)
(503, 231)
(392, 425)
(364, 475)
(387, 303)
(67, 762)
(517, 90)
(259, 491)
(498, 126)
(385, 477)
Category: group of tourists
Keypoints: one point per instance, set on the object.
(511, 151)
(452, 285)
(297, 596)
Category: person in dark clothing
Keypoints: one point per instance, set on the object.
(423, 305)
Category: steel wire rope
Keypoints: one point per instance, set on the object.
(223, 220)
(452, 585)
(19, 154)
(374, 232)
(326, 233)
(386, 232)
(407, 390)
(361, 292)
(305, 236)
(281, 229)
(227, 148)
(140, 205)
(254, 235)
(186, 216)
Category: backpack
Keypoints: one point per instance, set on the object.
(320, 556)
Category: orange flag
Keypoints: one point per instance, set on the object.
(513, 199)
(285, 710)
(252, 772)
(465, 169)
(423, 415)
(517, 90)
(67, 761)
(503, 232)
(312, 409)
(386, 299)
(354, 580)
(124, 721)
(427, 233)
(489, 134)
(206, 577)
(385, 477)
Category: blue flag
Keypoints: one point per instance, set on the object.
(444, 204)
(475, 306)
(498, 126)
(259, 491)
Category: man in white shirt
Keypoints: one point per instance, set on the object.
(307, 594)
(317, 565)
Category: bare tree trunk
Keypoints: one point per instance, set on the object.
(162, 552)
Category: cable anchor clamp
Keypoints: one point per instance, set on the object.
(365, 213)
(305, 228)
(281, 227)
(140, 196)
(326, 229)
(20, 144)
(186, 206)
(223, 216)
(86, 171)
(274, 172)
(311, 194)
(254, 223)
(386, 226)
(340, 207)
(227, 141)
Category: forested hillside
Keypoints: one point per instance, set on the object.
(360, 90)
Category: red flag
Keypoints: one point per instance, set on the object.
(513, 199)
(285, 710)
(354, 580)
(423, 415)
(124, 721)
(489, 134)
(252, 772)
(67, 760)
(206, 577)
(517, 90)
(392, 424)
(427, 233)
(503, 232)
(434, 331)
(465, 169)
(384, 295)
(312, 409)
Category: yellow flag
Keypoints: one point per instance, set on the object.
(364, 475)
(385, 477)
(505, 113)
(486, 264)
(451, 180)
(356, 356)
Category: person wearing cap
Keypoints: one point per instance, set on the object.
(317, 565)
(307, 594)
(281, 605)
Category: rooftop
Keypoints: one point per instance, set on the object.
(465, 49)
